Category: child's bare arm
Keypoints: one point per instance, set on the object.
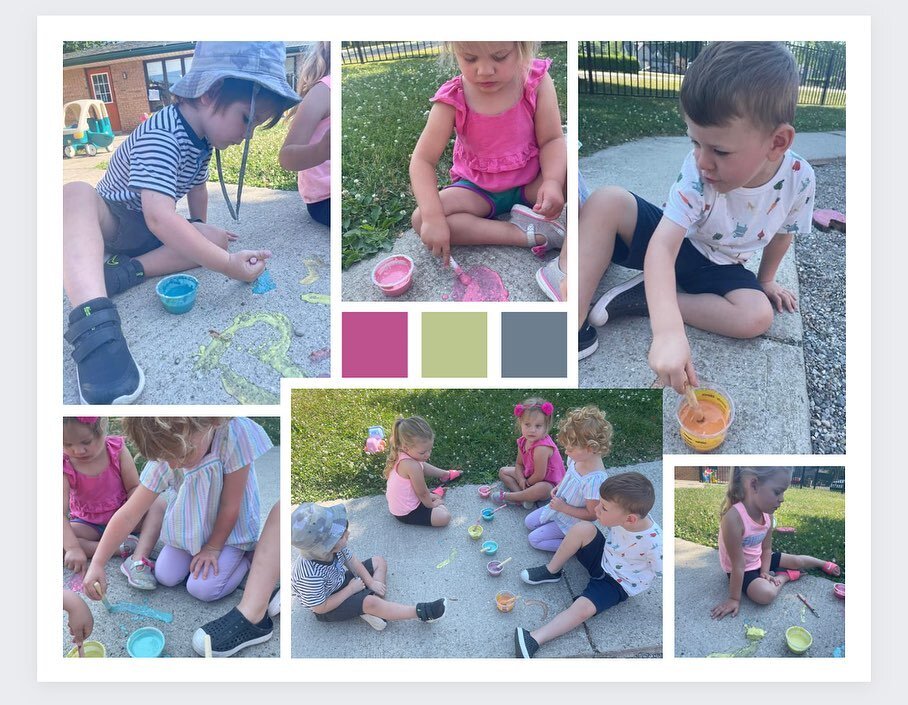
(766, 555)
(197, 200)
(228, 512)
(541, 455)
(552, 151)
(732, 536)
(129, 475)
(359, 569)
(669, 355)
(74, 556)
(81, 621)
(431, 145)
(297, 154)
(417, 478)
(778, 295)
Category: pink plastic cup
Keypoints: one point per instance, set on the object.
(393, 275)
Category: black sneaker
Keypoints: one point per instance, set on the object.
(431, 611)
(231, 633)
(121, 273)
(626, 299)
(105, 370)
(524, 644)
(587, 341)
(539, 574)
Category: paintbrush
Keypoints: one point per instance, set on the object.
(501, 565)
(809, 606)
(104, 599)
(501, 507)
(462, 275)
(694, 403)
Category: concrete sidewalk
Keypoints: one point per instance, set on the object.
(700, 585)
(425, 564)
(233, 346)
(764, 376)
(112, 630)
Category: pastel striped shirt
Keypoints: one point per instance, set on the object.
(192, 507)
(575, 489)
(313, 582)
(162, 154)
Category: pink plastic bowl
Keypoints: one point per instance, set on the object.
(393, 275)
(839, 590)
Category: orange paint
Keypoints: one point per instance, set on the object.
(714, 418)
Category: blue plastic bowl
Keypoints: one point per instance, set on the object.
(177, 292)
(146, 642)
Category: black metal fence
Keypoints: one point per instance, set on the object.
(655, 69)
(363, 52)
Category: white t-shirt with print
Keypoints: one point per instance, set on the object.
(728, 228)
(633, 558)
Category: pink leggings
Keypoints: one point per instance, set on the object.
(172, 567)
(545, 537)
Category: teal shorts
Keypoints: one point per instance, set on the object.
(500, 202)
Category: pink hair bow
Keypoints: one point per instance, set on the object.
(546, 408)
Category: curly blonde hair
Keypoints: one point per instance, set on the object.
(157, 437)
(406, 432)
(586, 427)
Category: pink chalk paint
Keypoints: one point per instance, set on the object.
(74, 583)
(484, 285)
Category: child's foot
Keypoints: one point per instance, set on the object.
(539, 574)
(128, 547)
(587, 341)
(500, 497)
(831, 568)
(524, 644)
(377, 623)
(121, 273)
(626, 299)
(431, 611)
(231, 633)
(529, 505)
(139, 574)
(105, 370)
(452, 475)
(535, 227)
(549, 279)
(440, 491)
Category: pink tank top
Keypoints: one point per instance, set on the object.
(315, 183)
(402, 498)
(97, 498)
(554, 471)
(495, 152)
(752, 542)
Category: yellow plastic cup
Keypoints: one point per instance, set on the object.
(475, 531)
(90, 649)
(705, 442)
(798, 639)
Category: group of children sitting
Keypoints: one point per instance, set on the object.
(331, 581)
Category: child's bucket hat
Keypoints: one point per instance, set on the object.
(262, 63)
(315, 530)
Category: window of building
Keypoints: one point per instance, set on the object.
(160, 75)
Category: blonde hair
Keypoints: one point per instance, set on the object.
(316, 66)
(159, 437)
(586, 428)
(735, 492)
(97, 426)
(406, 432)
(526, 52)
(533, 405)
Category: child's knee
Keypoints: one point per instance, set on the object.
(583, 530)
(757, 319)
(416, 220)
(441, 516)
(504, 472)
(378, 563)
(168, 578)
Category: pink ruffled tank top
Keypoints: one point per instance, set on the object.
(752, 543)
(554, 471)
(402, 498)
(495, 152)
(315, 184)
(97, 498)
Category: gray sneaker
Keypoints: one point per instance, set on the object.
(626, 299)
(139, 574)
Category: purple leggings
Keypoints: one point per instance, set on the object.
(172, 567)
(545, 537)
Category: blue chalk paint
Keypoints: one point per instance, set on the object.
(142, 611)
(264, 283)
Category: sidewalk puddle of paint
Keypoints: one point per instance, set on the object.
(319, 355)
(745, 652)
(316, 298)
(485, 285)
(311, 272)
(264, 283)
(544, 605)
(141, 611)
(74, 583)
(447, 560)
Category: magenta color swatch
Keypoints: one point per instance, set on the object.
(374, 344)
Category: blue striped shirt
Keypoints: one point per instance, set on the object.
(162, 154)
(313, 582)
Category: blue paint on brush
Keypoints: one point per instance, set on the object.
(264, 283)
(142, 611)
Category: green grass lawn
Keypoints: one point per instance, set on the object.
(817, 515)
(385, 105)
(474, 428)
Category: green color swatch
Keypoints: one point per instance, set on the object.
(454, 345)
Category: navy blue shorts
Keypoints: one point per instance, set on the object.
(751, 575)
(694, 273)
(320, 212)
(602, 589)
(133, 238)
(353, 605)
(97, 527)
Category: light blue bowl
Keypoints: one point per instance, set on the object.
(489, 548)
(146, 642)
(177, 292)
(488, 514)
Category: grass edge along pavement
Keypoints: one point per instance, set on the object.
(474, 428)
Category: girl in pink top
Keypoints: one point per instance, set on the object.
(509, 153)
(745, 539)
(409, 499)
(539, 467)
(307, 147)
(98, 476)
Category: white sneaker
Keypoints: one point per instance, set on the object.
(549, 279)
(274, 604)
(377, 623)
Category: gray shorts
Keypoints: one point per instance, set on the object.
(353, 605)
(133, 238)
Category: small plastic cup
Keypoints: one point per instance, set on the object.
(90, 649)
(485, 491)
(495, 568)
(839, 590)
(177, 292)
(393, 275)
(489, 548)
(475, 531)
(700, 441)
(505, 601)
(488, 514)
(798, 639)
(146, 642)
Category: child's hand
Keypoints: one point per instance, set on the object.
(436, 500)
(766, 575)
(204, 560)
(81, 621)
(549, 199)
(436, 236)
(780, 297)
(377, 586)
(558, 504)
(356, 585)
(730, 607)
(76, 560)
(247, 265)
(94, 574)
(669, 357)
